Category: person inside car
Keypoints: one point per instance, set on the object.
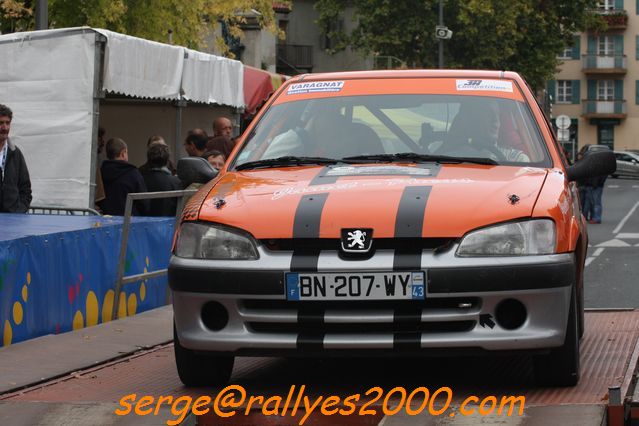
(324, 135)
(475, 132)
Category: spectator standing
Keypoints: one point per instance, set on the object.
(215, 158)
(195, 144)
(222, 126)
(157, 177)
(157, 139)
(596, 193)
(221, 143)
(121, 178)
(15, 184)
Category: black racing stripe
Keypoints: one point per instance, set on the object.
(407, 341)
(322, 179)
(304, 260)
(434, 170)
(409, 224)
(407, 316)
(310, 341)
(310, 316)
(307, 225)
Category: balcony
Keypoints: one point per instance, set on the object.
(604, 109)
(604, 64)
(615, 19)
(295, 57)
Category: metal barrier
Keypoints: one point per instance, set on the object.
(63, 211)
(121, 279)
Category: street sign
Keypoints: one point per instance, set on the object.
(563, 135)
(562, 122)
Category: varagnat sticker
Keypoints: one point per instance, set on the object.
(315, 86)
(493, 85)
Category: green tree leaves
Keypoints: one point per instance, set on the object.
(190, 22)
(518, 35)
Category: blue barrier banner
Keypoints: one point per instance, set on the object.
(58, 273)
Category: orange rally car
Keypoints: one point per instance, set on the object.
(385, 213)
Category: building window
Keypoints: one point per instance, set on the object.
(605, 90)
(564, 91)
(606, 46)
(606, 4)
(566, 54)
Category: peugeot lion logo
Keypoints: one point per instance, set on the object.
(357, 240)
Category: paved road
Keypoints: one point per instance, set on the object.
(612, 271)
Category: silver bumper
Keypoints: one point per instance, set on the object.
(455, 314)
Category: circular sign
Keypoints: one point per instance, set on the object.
(562, 122)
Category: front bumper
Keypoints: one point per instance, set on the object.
(462, 296)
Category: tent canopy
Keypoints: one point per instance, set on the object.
(259, 85)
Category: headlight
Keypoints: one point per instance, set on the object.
(511, 239)
(198, 241)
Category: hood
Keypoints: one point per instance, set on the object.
(447, 201)
(112, 170)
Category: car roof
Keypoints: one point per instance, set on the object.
(424, 73)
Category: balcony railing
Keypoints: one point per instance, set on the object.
(604, 109)
(616, 19)
(605, 64)
(295, 56)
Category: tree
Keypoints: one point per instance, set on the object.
(187, 21)
(519, 35)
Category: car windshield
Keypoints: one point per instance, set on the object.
(419, 127)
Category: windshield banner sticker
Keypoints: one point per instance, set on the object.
(377, 170)
(315, 86)
(492, 85)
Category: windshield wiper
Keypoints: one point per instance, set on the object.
(422, 158)
(288, 160)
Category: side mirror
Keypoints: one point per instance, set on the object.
(600, 163)
(195, 170)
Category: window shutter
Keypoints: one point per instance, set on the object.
(576, 47)
(618, 90)
(552, 91)
(637, 92)
(618, 4)
(618, 40)
(576, 93)
(592, 44)
(592, 90)
(637, 46)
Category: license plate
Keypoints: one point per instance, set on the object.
(360, 286)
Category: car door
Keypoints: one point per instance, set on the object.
(625, 165)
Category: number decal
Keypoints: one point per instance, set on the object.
(371, 280)
(418, 292)
(341, 286)
(354, 286)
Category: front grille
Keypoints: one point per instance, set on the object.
(362, 317)
(368, 328)
(470, 303)
(290, 244)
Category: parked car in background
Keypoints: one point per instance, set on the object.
(627, 164)
(593, 148)
(388, 213)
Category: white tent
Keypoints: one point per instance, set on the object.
(62, 84)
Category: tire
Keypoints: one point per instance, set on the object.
(614, 176)
(561, 366)
(201, 369)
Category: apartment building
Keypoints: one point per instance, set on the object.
(597, 85)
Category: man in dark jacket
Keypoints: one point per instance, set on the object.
(15, 185)
(120, 177)
(158, 177)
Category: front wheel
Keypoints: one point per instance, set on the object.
(201, 369)
(561, 366)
